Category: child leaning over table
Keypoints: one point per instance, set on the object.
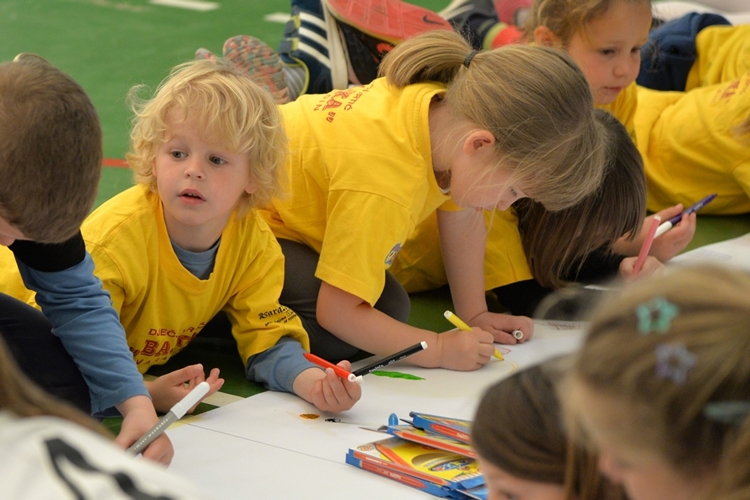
(186, 243)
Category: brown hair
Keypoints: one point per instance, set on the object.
(555, 242)
(50, 150)
(518, 427)
(234, 111)
(23, 398)
(704, 310)
(534, 100)
(565, 17)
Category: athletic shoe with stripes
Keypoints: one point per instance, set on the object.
(312, 42)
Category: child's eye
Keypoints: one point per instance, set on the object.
(513, 192)
(635, 50)
(216, 160)
(178, 154)
(607, 52)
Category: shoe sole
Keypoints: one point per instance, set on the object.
(388, 20)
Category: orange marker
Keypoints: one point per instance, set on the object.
(336, 369)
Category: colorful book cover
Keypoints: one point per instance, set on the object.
(438, 472)
(439, 441)
(454, 428)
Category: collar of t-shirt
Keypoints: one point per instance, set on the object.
(200, 264)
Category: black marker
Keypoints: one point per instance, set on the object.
(391, 359)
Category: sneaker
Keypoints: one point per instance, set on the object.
(258, 60)
(312, 43)
(474, 19)
(386, 20)
(513, 12)
(363, 54)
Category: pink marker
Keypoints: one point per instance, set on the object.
(647, 244)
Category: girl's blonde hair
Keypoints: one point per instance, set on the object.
(234, 112)
(534, 100)
(565, 17)
(690, 407)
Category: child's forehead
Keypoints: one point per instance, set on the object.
(190, 121)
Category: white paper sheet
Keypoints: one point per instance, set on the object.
(734, 252)
(264, 439)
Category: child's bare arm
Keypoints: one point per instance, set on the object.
(356, 322)
(462, 238)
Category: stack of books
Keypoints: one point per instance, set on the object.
(432, 453)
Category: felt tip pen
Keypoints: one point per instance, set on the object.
(666, 226)
(336, 369)
(459, 323)
(365, 370)
(177, 412)
(646, 245)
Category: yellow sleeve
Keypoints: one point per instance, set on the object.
(258, 320)
(364, 233)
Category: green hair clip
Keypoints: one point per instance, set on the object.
(727, 412)
(655, 315)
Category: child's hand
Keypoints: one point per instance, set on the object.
(651, 266)
(676, 239)
(326, 390)
(667, 245)
(139, 418)
(167, 390)
(465, 351)
(501, 326)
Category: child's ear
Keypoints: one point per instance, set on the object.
(477, 141)
(543, 36)
(251, 186)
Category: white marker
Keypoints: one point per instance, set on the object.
(176, 413)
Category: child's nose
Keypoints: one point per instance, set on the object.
(194, 169)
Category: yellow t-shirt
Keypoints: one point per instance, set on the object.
(723, 56)
(690, 149)
(419, 265)
(162, 306)
(360, 179)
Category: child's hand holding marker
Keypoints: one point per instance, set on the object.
(506, 329)
(459, 323)
(335, 389)
(632, 269)
(672, 236)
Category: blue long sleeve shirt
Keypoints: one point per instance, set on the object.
(82, 317)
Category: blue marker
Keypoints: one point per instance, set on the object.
(666, 226)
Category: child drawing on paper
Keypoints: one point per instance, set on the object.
(186, 242)
(467, 136)
(661, 387)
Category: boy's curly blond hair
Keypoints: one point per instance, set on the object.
(234, 113)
